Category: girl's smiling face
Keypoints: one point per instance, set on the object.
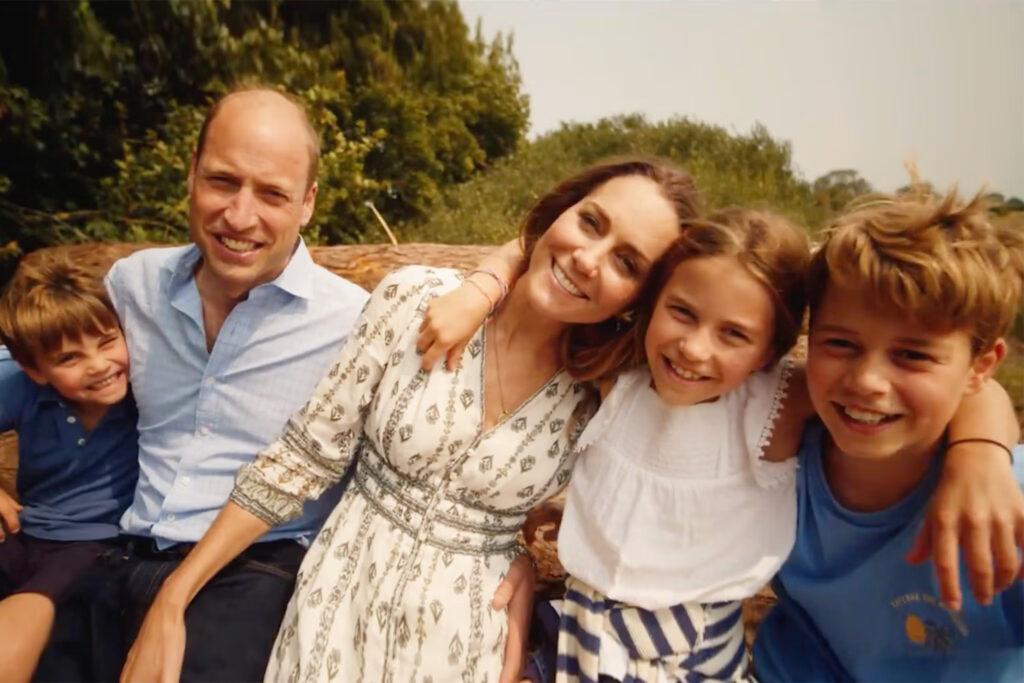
(710, 329)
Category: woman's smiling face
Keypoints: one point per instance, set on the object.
(591, 262)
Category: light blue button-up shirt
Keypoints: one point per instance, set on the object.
(203, 414)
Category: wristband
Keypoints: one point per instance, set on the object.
(487, 296)
(502, 285)
(979, 439)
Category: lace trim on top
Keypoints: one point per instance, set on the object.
(769, 474)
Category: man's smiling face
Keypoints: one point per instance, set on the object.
(249, 191)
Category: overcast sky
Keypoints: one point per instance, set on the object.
(860, 85)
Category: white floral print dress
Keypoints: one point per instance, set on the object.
(398, 584)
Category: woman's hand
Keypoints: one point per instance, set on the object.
(978, 505)
(516, 592)
(159, 648)
(452, 319)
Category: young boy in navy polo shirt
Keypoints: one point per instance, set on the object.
(64, 390)
(911, 296)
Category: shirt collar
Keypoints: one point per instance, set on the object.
(296, 278)
(48, 395)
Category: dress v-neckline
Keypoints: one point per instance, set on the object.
(502, 419)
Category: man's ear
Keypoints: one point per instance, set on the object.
(192, 173)
(984, 365)
(308, 202)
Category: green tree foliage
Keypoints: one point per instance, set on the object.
(101, 102)
(836, 189)
(751, 169)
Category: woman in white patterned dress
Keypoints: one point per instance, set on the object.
(397, 585)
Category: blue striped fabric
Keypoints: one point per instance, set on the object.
(686, 642)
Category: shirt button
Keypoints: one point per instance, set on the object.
(170, 517)
(204, 430)
(71, 419)
(81, 441)
(210, 381)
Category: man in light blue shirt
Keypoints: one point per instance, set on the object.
(202, 414)
(227, 338)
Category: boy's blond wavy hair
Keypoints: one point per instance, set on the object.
(935, 258)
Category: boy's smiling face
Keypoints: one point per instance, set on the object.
(884, 384)
(89, 371)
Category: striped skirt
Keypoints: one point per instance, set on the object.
(687, 642)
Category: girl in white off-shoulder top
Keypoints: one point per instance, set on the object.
(676, 511)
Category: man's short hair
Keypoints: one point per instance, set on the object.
(48, 299)
(245, 86)
(934, 258)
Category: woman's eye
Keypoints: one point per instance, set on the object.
(629, 266)
(589, 222)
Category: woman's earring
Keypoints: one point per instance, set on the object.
(623, 320)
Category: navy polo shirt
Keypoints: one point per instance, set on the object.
(74, 485)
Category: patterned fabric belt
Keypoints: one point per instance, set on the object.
(433, 514)
(683, 641)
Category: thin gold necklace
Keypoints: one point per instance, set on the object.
(497, 363)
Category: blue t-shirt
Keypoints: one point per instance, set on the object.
(851, 607)
(73, 485)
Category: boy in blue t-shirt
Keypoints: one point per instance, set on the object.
(64, 389)
(910, 298)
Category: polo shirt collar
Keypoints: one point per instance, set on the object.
(48, 395)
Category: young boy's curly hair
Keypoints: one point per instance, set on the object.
(936, 259)
(49, 299)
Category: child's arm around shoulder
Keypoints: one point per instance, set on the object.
(452, 319)
(978, 504)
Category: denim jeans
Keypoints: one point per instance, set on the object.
(230, 625)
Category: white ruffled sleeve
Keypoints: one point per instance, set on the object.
(761, 406)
